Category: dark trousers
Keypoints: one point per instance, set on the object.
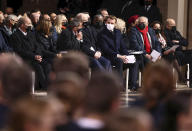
(42, 71)
(183, 58)
(100, 64)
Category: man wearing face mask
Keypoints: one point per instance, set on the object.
(8, 28)
(24, 43)
(71, 38)
(150, 11)
(89, 45)
(173, 38)
(112, 45)
(143, 38)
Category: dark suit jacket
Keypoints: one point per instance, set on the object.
(25, 46)
(6, 37)
(47, 45)
(153, 14)
(67, 41)
(111, 44)
(171, 35)
(137, 44)
(90, 40)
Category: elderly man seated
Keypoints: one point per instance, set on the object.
(142, 38)
(176, 40)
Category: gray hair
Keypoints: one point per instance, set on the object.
(21, 21)
(10, 17)
(75, 23)
(145, 18)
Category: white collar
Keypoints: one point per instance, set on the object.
(24, 33)
(89, 123)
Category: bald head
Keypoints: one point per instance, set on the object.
(170, 23)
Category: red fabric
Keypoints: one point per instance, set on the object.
(145, 38)
(63, 27)
(132, 19)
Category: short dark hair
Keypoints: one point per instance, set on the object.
(111, 17)
(16, 82)
(100, 10)
(103, 89)
(75, 62)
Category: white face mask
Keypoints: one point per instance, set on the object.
(110, 27)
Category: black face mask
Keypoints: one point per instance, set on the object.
(157, 31)
(141, 26)
(98, 24)
(147, 3)
(87, 23)
(29, 28)
(174, 28)
(65, 24)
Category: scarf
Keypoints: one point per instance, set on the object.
(145, 38)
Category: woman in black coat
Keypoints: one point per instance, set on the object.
(44, 38)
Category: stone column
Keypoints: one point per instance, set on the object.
(177, 9)
(190, 24)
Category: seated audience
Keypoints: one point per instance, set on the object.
(103, 12)
(131, 120)
(59, 25)
(9, 27)
(71, 38)
(178, 113)
(112, 45)
(90, 47)
(35, 17)
(158, 87)
(69, 90)
(31, 115)
(101, 100)
(25, 45)
(75, 62)
(53, 17)
(46, 17)
(143, 38)
(45, 40)
(13, 86)
(174, 38)
(132, 22)
(2, 18)
(167, 52)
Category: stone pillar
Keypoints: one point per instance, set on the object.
(177, 9)
(190, 24)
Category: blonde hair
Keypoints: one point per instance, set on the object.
(121, 25)
(58, 22)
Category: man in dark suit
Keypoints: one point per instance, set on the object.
(71, 38)
(150, 11)
(25, 45)
(90, 47)
(143, 38)
(112, 45)
(173, 38)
